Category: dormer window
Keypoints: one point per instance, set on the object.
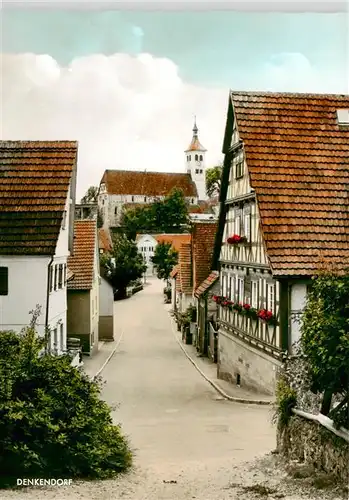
(343, 116)
(201, 157)
(196, 157)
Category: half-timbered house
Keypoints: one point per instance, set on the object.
(283, 210)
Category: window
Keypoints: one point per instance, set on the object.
(201, 158)
(64, 220)
(196, 170)
(61, 343)
(145, 198)
(196, 157)
(50, 279)
(270, 297)
(240, 289)
(65, 275)
(247, 226)
(201, 171)
(254, 294)
(116, 210)
(3, 280)
(60, 275)
(132, 198)
(239, 172)
(54, 340)
(56, 277)
(237, 227)
(102, 202)
(231, 292)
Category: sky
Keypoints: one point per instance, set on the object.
(127, 84)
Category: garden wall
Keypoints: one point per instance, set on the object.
(309, 442)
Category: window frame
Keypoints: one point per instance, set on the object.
(4, 281)
(239, 169)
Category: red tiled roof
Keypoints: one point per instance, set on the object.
(127, 182)
(206, 284)
(298, 160)
(176, 240)
(34, 185)
(203, 239)
(185, 268)
(104, 240)
(81, 263)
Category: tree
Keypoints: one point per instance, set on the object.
(100, 220)
(123, 265)
(213, 181)
(91, 195)
(53, 422)
(164, 260)
(169, 215)
(325, 338)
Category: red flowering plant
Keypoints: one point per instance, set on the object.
(236, 239)
(218, 299)
(267, 316)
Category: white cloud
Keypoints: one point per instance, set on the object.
(132, 112)
(126, 112)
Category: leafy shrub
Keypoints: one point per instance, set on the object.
(52, 420)
(286, 399)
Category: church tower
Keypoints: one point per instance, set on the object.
(195, 163)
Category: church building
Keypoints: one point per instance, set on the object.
(120, 189)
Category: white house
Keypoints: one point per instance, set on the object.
(37, 199)
(146, 244)
(284, 213)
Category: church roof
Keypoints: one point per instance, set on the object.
(142, 183)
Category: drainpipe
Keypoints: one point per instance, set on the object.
(48, 294)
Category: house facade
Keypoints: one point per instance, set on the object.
(83, 287)
(281, 216)
(106, 311)
(120, 189)
(36, 238)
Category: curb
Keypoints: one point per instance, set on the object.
(93, 377)
(214, 385)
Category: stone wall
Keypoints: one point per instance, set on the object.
(309, 442)
(238, 361)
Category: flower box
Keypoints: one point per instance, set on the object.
(267, 316)
(236, 239)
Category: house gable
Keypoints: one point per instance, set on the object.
(34, 187)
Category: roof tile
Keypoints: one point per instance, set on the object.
(126, 182)
(81, 263)
(207, 284)
(34, 183)
(298, 159)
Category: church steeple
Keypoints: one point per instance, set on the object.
(195, 162)
(195, 144)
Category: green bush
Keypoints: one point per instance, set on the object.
(286, 399)
(52, 420)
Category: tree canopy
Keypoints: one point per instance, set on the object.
(164, 259)
(91, 195)
(169, 215)
(53, 421)
(124, 264)
(325, 334)
(213, 181)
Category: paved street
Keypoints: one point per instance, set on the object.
(173, 416)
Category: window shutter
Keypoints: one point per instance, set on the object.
(3, 280)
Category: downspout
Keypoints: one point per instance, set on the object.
(48, 294)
